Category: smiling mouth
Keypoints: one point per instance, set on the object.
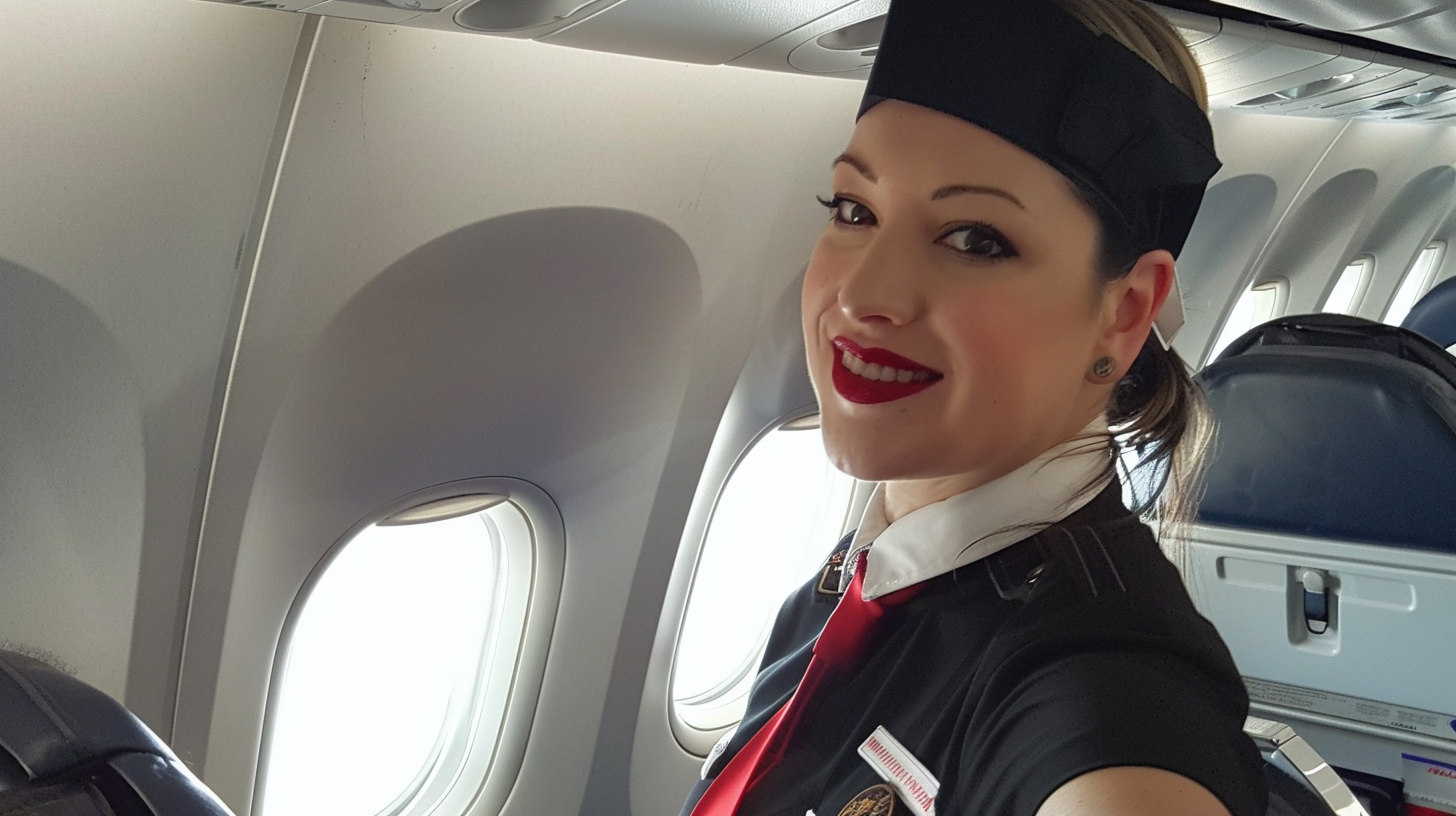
(882, 373)
(868, 376)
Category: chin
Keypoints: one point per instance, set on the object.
(870, 463)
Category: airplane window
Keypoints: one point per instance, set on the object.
(1416, 283)
(1350, 288)
(777, 518)
(1259, 303)
(386, 678)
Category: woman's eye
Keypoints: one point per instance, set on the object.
(848, 212)
(980, 241)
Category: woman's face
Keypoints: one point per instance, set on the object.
(965, 264)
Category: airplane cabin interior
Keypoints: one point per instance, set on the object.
(396, 393)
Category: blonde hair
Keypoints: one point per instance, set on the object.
(1145, 33)
(1157, 409)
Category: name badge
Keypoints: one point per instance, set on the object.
(902, 771)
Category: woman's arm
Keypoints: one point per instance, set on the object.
(1132, 791)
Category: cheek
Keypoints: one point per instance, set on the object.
(818, 294)
(1019, 349)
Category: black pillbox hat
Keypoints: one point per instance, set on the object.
(1034, 75)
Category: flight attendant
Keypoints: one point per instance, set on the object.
(1001, 636)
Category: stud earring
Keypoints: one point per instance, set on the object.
(1103, 367)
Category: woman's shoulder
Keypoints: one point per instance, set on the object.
(1103, 584)
(1105, 551)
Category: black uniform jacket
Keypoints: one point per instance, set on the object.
(1073, 650)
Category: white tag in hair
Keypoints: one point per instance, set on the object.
(1170, 318)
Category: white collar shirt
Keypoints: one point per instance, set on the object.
(964, 528)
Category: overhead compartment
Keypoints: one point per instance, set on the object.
(1422, 25)
(680, 31)
(1251, 67)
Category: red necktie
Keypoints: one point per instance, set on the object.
(844, 635)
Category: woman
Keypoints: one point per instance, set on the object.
(1001, 635)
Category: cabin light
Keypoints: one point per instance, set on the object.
(1316, 88)
(1308, 89)
(447, 508)
(860, 36)
(419, 5)
(1442, 93)
(515, 15)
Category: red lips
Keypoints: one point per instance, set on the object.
(860, 374)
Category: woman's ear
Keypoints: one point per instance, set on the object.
(1130, 304)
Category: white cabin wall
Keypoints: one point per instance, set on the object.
(132, 141)
(432, 303)
(1384, 189)
(1267, 160)
(1342, 190)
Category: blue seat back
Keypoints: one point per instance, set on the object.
(1334, 427)
(1434, 315)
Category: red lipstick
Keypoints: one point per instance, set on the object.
(873, 375)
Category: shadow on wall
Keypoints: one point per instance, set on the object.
(1325, 220)
(1415, 212)
(537, 341)
(72, 481)
(1231, 224)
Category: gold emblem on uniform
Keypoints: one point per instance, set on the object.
(876, 801)
(829, 576)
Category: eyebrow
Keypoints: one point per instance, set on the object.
(944, 192)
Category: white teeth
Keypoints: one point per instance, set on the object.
(883, 373)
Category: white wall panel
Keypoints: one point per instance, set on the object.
(1267, 161)
(132, 141)
(1383, 189)
(492, 257)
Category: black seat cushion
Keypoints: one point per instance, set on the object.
(67, 748)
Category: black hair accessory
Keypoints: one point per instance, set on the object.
(1034, 75)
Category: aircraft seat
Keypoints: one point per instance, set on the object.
(1325, 544)
(1301, 783)
(1434, 315)
(66, 749)
(1335, 427)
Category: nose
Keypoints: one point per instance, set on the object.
(878, 284)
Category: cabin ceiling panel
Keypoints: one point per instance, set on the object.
(1348, 15)
(1421, 25)
(710, 33)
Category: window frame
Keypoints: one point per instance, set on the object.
(1433, 274)
(505, 692)
(1368, 265)
(697, 734)
(1281, 304)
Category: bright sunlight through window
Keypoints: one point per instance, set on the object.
(776, 520)
(1259, 303)
(1350, 288)
(382, 667)
(1417, 282)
